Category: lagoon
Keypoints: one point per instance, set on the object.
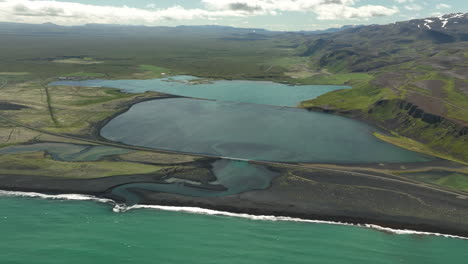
(252, 131)
(247, 120)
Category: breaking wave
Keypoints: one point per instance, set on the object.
(71, 197)
(121, 208)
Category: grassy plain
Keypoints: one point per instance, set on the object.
(71, 111)
(451, 180)
(40, 164)
(416, 146)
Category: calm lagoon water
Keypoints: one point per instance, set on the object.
(36, 231)
(246, 121)
(251, 131)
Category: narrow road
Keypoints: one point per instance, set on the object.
(4, 83)
(49, 104)
(459, 194)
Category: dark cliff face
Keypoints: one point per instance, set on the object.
(411, 110)
(409, 120)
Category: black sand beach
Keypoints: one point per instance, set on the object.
(308, 194)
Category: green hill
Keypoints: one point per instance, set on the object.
(419, 84)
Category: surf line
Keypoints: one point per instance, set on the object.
(121, 208)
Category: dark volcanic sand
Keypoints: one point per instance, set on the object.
(314, 195)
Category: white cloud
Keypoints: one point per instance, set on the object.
(272, 5)
(69, 13)
(330, 12)
(443, 6)
(413, 7)
(324, 9)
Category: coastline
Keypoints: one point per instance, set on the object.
(390, 228)
(256, 203)
(240, 206)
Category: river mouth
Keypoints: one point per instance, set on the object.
(232, 177)
(226, 177)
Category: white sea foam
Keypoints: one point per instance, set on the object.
(197, 210)
(120, 208)
(72, 197)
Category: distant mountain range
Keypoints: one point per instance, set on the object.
(450, 22)
(93, 29)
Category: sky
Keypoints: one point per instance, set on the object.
(283, 15)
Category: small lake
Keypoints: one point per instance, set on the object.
(238, 91)
(251, 131)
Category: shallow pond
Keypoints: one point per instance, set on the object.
(67, 152)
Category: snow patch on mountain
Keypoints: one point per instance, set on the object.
(442, 21)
